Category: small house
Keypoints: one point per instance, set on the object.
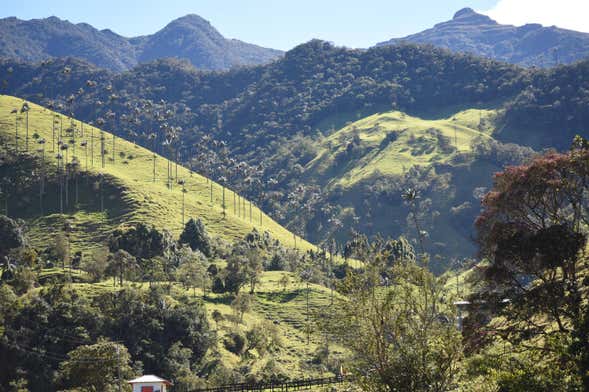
(150, 383)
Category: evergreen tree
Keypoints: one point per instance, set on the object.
(195, 235)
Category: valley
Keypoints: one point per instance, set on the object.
(183, 212)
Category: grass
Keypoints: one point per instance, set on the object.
(390, 143)
(138, 197)
(284, 307)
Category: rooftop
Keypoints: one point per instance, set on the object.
(148, 378)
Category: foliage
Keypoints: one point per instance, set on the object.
(97, 265)
(235, 342)
(241, 304)
(97, 367)
(533, 230)
(11, 235)
(39, 335)
(401, 335)
(140, 241)
(196, 236)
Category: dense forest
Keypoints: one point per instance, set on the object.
(265, 121)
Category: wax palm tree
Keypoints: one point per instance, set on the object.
(101, 186)
(223, 181)
(183, 184)
(53, 123)
(59, 158)
(100, 123)
(152, 136)
(64, 148)
(74, 166)
(110, 115)
(91, 143)
(25, 109)
(177, 132)
(15, 112)
(84, 144)
(411, 196)
(41, 142)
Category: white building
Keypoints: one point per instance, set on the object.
(150, 383)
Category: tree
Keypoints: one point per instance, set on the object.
(192, 271)
(196, 236)
(241, 304)
(11, 235)
(401, 338)
(103, 366)
(235, 274)
(177, 365)
(62, 248)
(284, 281)
(98, 264)
(411, 196)
(253, 268)
(139, 240)
(25, 109)
(533, 233)
(120, 262)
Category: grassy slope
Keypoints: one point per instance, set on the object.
(416, 144)
(143, 200)
(285, 308)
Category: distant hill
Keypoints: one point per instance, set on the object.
(190, 37)
(528, 45)
(340, 133)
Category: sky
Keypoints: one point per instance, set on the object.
(283, 24)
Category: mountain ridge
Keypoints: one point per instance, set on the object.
(528, 45)
(190, 37)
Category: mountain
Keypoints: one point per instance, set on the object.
(190, 37)
(528, 45)
(340, 133)
(104, 201)
(137, 178)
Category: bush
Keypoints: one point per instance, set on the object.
(218, 285)
(277, 263)
(235, 342)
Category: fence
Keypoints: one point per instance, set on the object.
(293, 385)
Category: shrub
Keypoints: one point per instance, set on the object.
(235, 342)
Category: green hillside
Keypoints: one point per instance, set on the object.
(391, 143)
(131, 176)
(283, 306)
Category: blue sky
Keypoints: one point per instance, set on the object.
(282, 24)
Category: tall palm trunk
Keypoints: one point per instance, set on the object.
(27, 130)
(176, 164)
(60, 175)
(16, 131)
(223, 201)
(67, 180)
(42, 189)
(53, 134)
(102, 147)
(92, 146)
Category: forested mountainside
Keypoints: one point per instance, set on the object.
(459, 118)
(190, 37)
(528, 45)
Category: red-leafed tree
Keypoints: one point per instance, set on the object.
(533, 232)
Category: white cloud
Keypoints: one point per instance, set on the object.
(568, 14)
